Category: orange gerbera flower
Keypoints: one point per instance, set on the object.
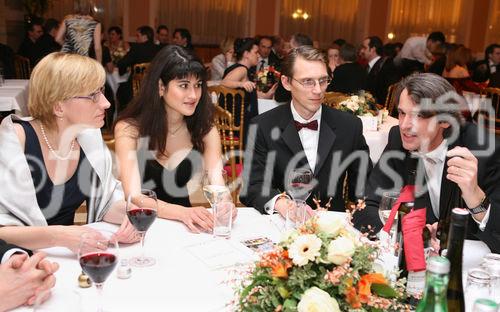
(352, 298)
(278, 261)
(365, 284)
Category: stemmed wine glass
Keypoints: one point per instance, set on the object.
(299, 183)
(141, 211)
(98, 256)
(384, 210)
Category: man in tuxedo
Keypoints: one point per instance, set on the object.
(381, 70)
(23, 278)
(142, 52)
(266, 55)
(461, 161)
(162, 36)
(31, 47)
(304, 134)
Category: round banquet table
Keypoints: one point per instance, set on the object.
(14, 96)
(192, 271)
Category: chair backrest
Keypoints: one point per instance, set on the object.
(333, 99)
(232, 100)
(23, 67)
(138, 73)
(390, 99)
(225, 125)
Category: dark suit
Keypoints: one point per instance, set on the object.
(380, 77)
(7, 61)
(340, 135)
(348, 78)
(450, 196)
(4, 247)
(138, 53)
(34, 51)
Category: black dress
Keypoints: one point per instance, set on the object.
(171, 185)
(251, 101)
(57, 202)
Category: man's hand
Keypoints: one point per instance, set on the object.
(284, 206)
(127, 233)
(462, 169)
(23, 279)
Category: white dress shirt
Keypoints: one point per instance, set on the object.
(493, 67)
(434, 162)
(309, 139)
(372, 63)
(260, 65)
(415, 49)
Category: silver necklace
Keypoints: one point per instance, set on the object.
(172, 133)
(44, 135)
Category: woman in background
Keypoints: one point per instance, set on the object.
(224, 60)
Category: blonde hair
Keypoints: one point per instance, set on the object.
(58, 77)
(227, 44)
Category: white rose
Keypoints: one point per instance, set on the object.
(340, 250)
(330, 224)
(304, 248)
(315, 299)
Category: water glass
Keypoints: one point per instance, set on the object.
(296, 214)
(478, 286)
(223, 218)
(491, 264)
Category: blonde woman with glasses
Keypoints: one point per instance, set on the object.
(55, 160)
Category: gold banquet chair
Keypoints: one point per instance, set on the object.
(230, 147)
(138, 73)
(22, 66)
(232, 100)
(333, 99)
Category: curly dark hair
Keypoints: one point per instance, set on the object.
(147, 111)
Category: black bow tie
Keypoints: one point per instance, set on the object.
(313, 125)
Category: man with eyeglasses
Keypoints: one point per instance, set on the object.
(304, 134)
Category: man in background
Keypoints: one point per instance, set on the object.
(162, 36)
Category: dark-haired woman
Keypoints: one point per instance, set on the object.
(166, 133)
(239, 75)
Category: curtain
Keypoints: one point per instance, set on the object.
(208, 21)
(421, 17)
(493, 27)
(328, 20)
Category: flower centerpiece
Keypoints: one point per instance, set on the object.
(360, 105)
(266, 78)
(325, 265)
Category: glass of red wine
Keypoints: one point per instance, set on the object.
(299, 183)
(98, 257)
(141, 211)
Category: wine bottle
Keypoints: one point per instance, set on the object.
(456, 237)
(436, 285)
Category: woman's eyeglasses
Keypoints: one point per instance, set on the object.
(94, 97)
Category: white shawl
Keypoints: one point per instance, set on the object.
(18, 204)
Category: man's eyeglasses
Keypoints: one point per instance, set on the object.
(310, 83)
(94, 97)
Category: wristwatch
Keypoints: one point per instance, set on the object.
(482, 207)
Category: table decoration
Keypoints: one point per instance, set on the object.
(324, 265)
(266, 78)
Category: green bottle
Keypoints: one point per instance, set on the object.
(456, 237)
(436, 286)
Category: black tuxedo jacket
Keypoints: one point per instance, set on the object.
(450, 196)
(274, 143)
(380, 77)
(139, 53)
(348, 78)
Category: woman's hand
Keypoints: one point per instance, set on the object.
(127, 233)
(248, 85)
(198, 219)
(70, 236)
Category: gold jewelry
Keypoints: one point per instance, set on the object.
(173, 133)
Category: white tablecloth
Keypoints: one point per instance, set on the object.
(114, 79)
(377, 140)
(179, 281)
(14, 96)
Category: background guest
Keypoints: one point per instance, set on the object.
(80, 33)
(162, 36)
(48, 39)
(222, 61)
(349, 76)
(182, 37)
(31, 47)
(333, 57)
